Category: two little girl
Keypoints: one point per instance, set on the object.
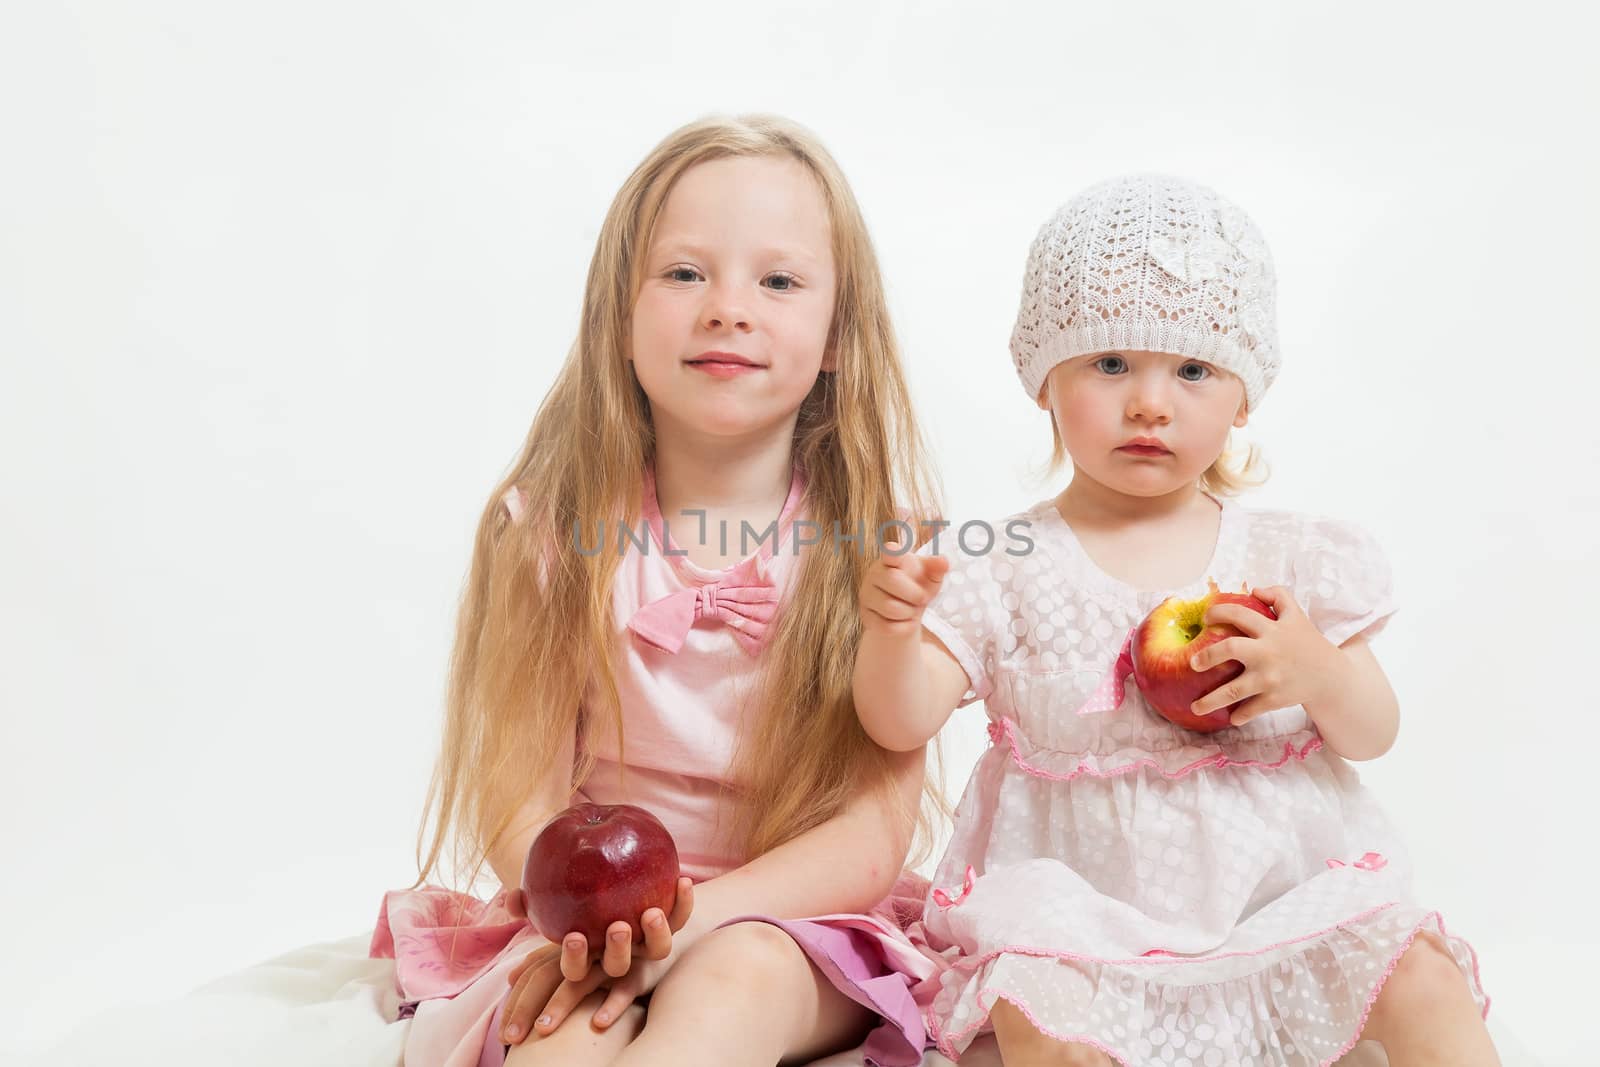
(1117, 888)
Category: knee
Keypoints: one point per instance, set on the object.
(1015, 1033)
(1425, 979)
(754, 960)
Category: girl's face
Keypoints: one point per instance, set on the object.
(1104, 401)
(730, 325)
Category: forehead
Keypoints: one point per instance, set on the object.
(747, 204)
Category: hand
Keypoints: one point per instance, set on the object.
(1286, 660)
(897, 588)
(558, 977)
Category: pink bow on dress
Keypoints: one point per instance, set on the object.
(1108, 697)
(745, 600)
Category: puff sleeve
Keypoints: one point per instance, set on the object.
(1344, 580)
(968, 616)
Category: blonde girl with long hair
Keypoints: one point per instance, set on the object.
(661, 611)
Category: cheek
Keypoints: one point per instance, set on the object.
(1080, 415)
(656, 319)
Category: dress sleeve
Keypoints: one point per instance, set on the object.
(1345, 581)
(968, 617)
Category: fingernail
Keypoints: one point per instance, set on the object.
(601, 1017)
(513, 1032)
(544, 1020)
(574, 943)
(1194, 661)
(619, 936)
(655, 923)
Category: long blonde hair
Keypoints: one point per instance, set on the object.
(535, 624)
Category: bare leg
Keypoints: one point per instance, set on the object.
(1425, 1014)
(576, 1043)
(1021, 1045)
(745, 996)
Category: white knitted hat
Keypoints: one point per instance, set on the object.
(1149, 262)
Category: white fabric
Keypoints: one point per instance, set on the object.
(325, 1005)
(1149, 262)
(1099, 841)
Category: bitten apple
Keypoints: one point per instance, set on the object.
(1165, 642)
(595, 864)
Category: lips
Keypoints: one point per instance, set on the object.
(1144, 450)
(726, 359)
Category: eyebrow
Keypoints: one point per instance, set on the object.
(697, 251)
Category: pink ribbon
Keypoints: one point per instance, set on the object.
(943, 898)
(1372, 861)
(1108, 697)
(745, 600)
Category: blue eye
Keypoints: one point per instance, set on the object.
(1103, 360)
(1205, 372)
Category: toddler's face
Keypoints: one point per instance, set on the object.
(741, 265)
(1102, 402)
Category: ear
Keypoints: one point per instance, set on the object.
(1244, 414)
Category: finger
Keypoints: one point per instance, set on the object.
(935, 567)
(574, 957)
(1253, 708)
(898, 626)
(1242, 687)
(1229, 648)
(894, 552)
(568, 997)
(1248, 622)
(909, 586)
(521, 968)
(892, 608)
(683, 905)
(515, 903)
(657, 938)
(619, 949)
(1282, 601)
(527, 996)
(611, 1008)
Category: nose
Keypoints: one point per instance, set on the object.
(724, 308)
(1149, 399)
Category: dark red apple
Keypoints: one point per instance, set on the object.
(1165, 642)
(594, 864)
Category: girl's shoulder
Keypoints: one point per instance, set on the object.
(1298, 535)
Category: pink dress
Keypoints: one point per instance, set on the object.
(1169, 897)
(685, 664)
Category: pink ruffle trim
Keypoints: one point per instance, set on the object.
(1174, 764)
(946, 1041)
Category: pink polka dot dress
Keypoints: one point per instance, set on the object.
(1167, 896)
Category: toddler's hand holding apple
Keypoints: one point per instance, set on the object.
(1286, 660)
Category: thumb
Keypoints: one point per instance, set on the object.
(515, 903)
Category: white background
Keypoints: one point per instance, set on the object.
(282, 285)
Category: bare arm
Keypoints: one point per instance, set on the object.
(1356, 711)
(551, 794)
(847, 864)
(905, 685)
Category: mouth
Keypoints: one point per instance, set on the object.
(723, 359)
(1140, 448)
